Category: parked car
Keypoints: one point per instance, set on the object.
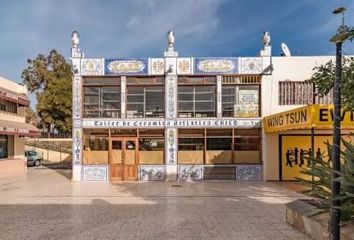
(33, 158)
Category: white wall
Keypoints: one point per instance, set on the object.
(12, 86)
(287, 68)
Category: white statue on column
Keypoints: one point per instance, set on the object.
(171, 39)
(266, 38)
(170, 49)
(75, 39)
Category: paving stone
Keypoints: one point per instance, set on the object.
(47, 205)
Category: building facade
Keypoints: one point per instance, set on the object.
(13, 128)
(181, 118)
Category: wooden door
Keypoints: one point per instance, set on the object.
(130, 172)
(116, 159)
(123, 163)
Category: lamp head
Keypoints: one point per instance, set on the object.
(339, 10)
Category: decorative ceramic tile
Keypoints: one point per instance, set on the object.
(249, 172)
(215, 65)
(126, 66)
(157, 66)
(171, 96)
(95, 173)
(91, 67)
(77, 123)
(76, 98)
(152, 173)
(76, 146)
(171, 145)
(251, 65)
(184, 66)
(190, 173)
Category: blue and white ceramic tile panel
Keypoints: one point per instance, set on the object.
(124, 66)
(190, 172)
(94, 173)
(249, 172)
(212, 66)
(92, 67)
(251, 65)
(152, 173)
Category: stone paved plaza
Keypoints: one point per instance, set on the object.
(45, 204)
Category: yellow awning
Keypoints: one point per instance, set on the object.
(317, 116)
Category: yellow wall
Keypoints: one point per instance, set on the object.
(247, 157)
(271, 152)
(190, 157)
(151, 157)
(95, 157)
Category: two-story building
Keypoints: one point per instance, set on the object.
(182, 118)
(13, 127)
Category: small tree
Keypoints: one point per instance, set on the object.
(30, 116)
(50, 78)
(324, 77)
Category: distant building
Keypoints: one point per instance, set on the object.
(13, 128)
(188, 118)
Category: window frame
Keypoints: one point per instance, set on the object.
(205, 81)
(101, 84)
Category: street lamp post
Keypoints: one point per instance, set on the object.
(338, 39)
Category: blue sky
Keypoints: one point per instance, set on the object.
(137, 28)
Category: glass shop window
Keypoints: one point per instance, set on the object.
(190, 150)
(95, 149)
(151, 150)
(3, 146)
(218, 146)
(247, 146)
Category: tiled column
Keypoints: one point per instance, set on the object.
(76, 56)
(219, 96)
(171, 138)
(123, 93)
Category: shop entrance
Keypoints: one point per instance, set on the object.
(123, 159)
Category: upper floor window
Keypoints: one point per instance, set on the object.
(240, 101)
(8, 106)
(145, 97)
(301, 93)
(101, 98)
(197, 97)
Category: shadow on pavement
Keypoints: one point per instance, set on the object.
(64, 169)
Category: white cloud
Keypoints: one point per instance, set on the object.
(147, 23)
